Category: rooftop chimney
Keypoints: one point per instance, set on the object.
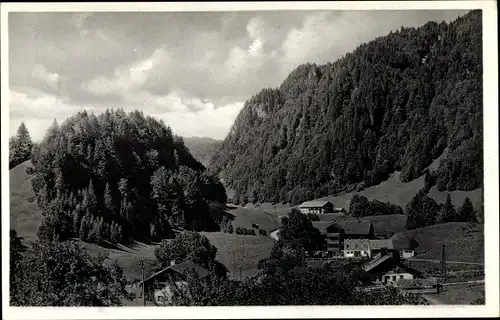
(172, 262)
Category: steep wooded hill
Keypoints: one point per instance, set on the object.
(202, 148)
(119, 177)
(394, 104)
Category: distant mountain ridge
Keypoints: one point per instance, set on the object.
(394, 104)
(202, 148)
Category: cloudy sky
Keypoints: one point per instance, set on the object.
(193, 70)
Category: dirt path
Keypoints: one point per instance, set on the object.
(432, 300)
(463, 282)
(274, 234)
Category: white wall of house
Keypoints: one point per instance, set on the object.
(357, 253)
(312, 210)
(407, 254)
(164, 295)
(392, 277)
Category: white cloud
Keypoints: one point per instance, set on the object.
(40, 73)
(255, 48)
(209, 122)
(37, 110)
(127, 78)
(315, 36)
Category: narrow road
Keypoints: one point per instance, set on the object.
(463, 282)
(274, 234)
(450, 262)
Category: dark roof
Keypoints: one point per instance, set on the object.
(322, 226)
(376, 262)
(381, 243)
(356, 227)
(314, 204)
(182, 268)
(356, 244)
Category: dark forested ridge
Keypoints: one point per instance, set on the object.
(394, 104)
(119, 177)
(202, 148)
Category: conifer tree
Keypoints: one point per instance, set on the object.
(108, 200)
(24, 143)
(92, 199)
(84, 227)
(112, 232)
(93, 226)
(119, 234)
(59, 181)
(447, 213)
(466, 212)
(76, 221)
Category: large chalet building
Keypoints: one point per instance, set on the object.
(336, 232)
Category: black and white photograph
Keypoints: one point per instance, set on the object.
(228, 155)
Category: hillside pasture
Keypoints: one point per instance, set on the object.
(25, 216)
(392, 190)
(245, 217)
(464, 242)
(240, 254)
(465, 294)
(129, 258)
(395, 191)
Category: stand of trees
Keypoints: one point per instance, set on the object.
(423, 211)
(394, 104)
(116, 177)
(20, 146)
(62, 274)
(361, 207)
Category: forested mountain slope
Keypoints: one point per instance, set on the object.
(202, 148)
(394, 104)
(119, 177)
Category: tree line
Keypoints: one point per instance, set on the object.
(423, 211)
(359, 206)
(118, 177)
(393, 104)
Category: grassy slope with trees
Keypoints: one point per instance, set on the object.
(394, 104)
(464, 241)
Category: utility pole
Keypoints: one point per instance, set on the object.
(443, 263)
(143, 291)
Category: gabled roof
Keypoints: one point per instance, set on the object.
(182, 268)
(314, 204)
(381, 243)
(356, 227)
(356, 244)
(322, 226)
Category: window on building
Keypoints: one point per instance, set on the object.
(393, 278)
(401, 277)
